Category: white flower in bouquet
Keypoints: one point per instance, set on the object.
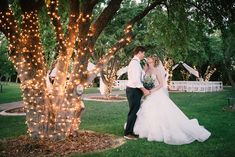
(148, 82)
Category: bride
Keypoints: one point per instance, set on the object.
(159, 119)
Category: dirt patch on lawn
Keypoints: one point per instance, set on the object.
(16, 110)
(229, 108)
(87, 141)
(107, 99)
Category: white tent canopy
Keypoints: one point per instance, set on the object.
(53, 73)
(122, 71)
(90, 66)
(190, 69)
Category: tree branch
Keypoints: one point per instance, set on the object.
(73, 17)
(94, 2)
(9, 28)
(81, 57)
(104, 60)
(200, 8)
(72, 29)
(65, 45)
(105, 17)
(145, 12)
(52, 8)
(85, 19)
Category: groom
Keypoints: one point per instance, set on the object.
(134, 90)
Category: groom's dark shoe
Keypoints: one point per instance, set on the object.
(130, 137)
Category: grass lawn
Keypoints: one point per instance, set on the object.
(110, 117)
(10, 93)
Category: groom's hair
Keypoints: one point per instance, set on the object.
(138, 49)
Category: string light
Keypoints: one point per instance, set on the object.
(168, 63)
(209, 71)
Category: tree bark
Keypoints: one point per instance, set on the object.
(231, 79)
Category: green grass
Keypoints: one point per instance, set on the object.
(206, 107)
(95, 90)
(10, 93)
(110, 117)
(91, 90)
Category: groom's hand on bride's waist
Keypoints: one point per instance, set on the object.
(146, 92)
(149, 92)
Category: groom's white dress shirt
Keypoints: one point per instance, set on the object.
(135, 73)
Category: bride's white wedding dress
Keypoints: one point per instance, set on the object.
(159, 119)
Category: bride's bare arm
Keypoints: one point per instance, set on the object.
(160, 81)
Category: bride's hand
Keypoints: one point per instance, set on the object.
(146, 92)
(149, 92)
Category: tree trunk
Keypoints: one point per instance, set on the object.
(233, 107)
(56, 115)
(6, 80)
(1, 78)
(108, 89)
(17, 79)
(231, 79)
(9, 79)
(51, 118)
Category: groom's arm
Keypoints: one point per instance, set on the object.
(145, 91)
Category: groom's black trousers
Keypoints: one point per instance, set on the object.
(133, 96)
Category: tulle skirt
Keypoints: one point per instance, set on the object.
(159, 119)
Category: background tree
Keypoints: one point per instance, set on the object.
(181, 31)
(220, 15)
(7, 69)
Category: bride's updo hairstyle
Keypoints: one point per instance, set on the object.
(156, 60)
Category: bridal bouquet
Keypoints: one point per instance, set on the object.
(148, 82)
